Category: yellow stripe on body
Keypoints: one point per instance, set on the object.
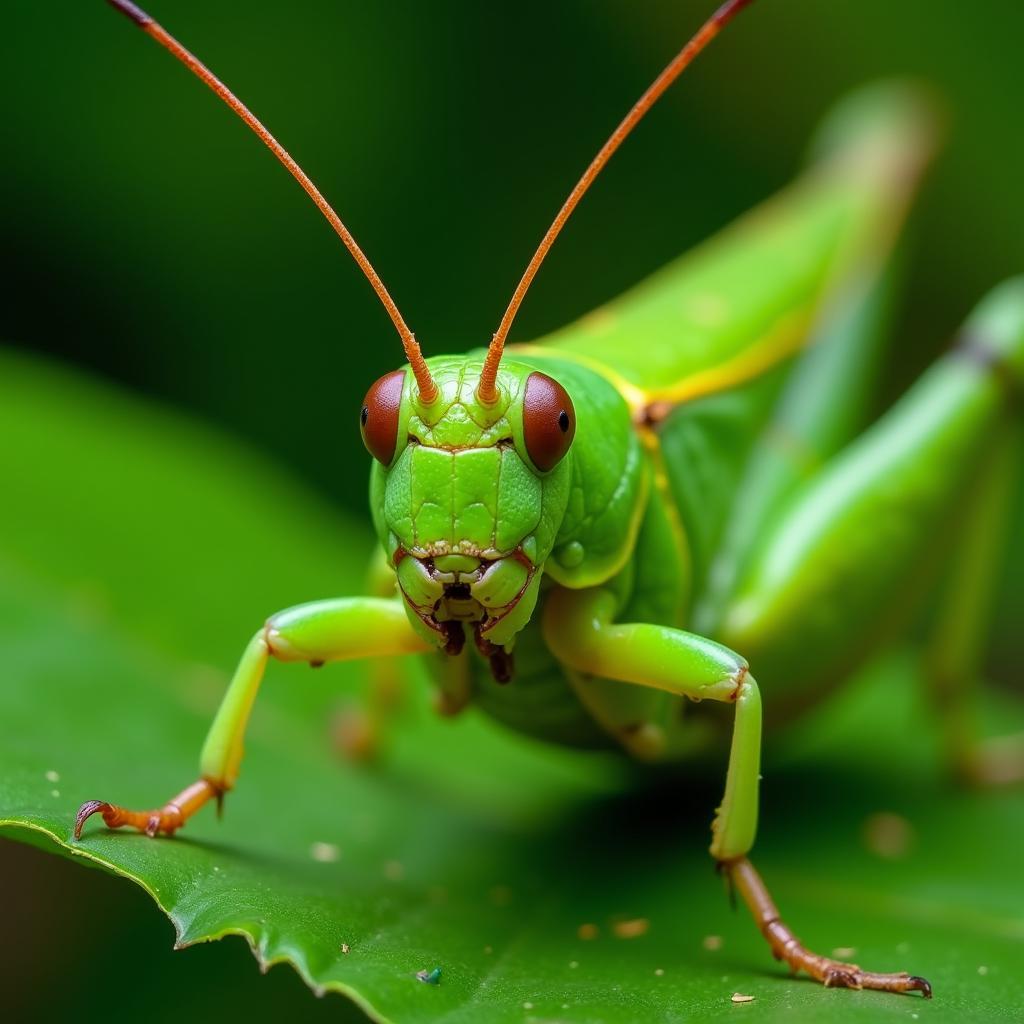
(789, 336)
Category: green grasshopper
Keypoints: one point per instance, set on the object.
(687, 456)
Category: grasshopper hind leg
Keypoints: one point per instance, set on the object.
(848, 557)
(953, 654)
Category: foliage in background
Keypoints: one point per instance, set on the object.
(157, 243)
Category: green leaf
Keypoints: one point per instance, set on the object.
(137, 554)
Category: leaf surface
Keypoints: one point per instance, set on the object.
(138, 552)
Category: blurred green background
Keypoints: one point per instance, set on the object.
(151, 240)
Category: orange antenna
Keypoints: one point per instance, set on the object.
(486, 390)
(427, 387)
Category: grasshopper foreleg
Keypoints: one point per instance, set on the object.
(786, 946)
(579, 628)
(334, 630)
(167, 819)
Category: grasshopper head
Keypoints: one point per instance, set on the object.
(468, 495)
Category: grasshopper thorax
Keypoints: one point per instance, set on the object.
(468, 495)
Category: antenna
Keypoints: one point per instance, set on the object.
(427, 388)
(486, 390)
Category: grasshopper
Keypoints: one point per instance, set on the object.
(586, 534)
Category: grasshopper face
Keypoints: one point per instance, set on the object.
(470, 494)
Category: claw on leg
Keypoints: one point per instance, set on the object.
(167, 819)
(786, 946)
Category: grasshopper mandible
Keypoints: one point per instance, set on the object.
(686, 457)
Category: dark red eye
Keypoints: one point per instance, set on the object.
(549, 421)
(378, 419)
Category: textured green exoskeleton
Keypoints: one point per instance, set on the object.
(677, 490)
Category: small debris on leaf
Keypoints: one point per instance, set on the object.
(631, 929)
(587, 931)
(738, 997)
(345, 947)
(712, 943)
(430, 977)
(326, 853)
(888, 835)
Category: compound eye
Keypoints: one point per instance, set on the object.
(378, 419)
(549, 421)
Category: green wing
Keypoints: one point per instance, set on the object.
(743, 302)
